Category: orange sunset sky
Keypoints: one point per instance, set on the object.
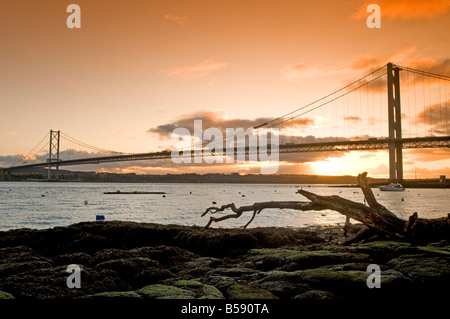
(137, 68)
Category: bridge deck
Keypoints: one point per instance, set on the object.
(371, 144)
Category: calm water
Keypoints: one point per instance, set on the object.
(44, 205)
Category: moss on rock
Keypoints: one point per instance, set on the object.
(211, 292)
(6, 295)
(238, 291)
(120, 295)
(291, 259)
(159, 291)
(316, 295)
(423, 269)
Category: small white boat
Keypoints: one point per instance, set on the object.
(395, 187)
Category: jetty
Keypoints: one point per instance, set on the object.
(134, 192)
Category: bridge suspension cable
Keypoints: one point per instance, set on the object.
(325, 103)
(94, 148)
(31, 154)
(429, 74)
(323, 98)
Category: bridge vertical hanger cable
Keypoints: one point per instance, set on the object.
(381, 110)
(447, 124)
(361, 111)
(440, 102)
(424, 109)
(415, 102)
(430, 106)
(408, 105)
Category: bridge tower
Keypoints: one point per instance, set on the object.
(53, 154)
(395, 123)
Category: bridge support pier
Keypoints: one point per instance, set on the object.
(395, 124)
(6, 175)
(53, 153)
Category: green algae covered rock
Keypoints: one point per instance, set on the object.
(316, 295)
(423, 269)
(238, 291)
(159, 291)
(211, 292)
(291, 259)
(200, 290)
(119, 295)
(5, 295)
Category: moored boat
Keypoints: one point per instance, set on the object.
(394, 187)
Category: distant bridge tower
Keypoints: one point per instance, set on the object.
(395, 123)
(53, 154)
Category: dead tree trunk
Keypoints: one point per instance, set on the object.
(375, 217)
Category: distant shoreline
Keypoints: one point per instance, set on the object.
(233, 178)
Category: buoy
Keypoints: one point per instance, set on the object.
(164, 195)
(43, 195)
(214, 202)
(243, 195)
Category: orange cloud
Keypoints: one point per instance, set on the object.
(406, 9)
(370, 62)
(298, 71)
(427, 155)
(181, 21)
(196, 70)
(408, 57)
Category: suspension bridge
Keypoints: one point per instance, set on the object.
(392, 108)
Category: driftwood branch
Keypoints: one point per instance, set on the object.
(375, 218)
(256, 208)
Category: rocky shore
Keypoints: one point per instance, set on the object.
(140, 261)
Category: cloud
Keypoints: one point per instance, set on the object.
(380, 170)
(369, 63)
(10, 160)
(407, 57)
(352, 118)
(181, 21)
(427, 155)
(431, 65)
(297, 71)
(363, 64)
(406, 9)
(436, 116)
(211, 119)
(198, 70)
